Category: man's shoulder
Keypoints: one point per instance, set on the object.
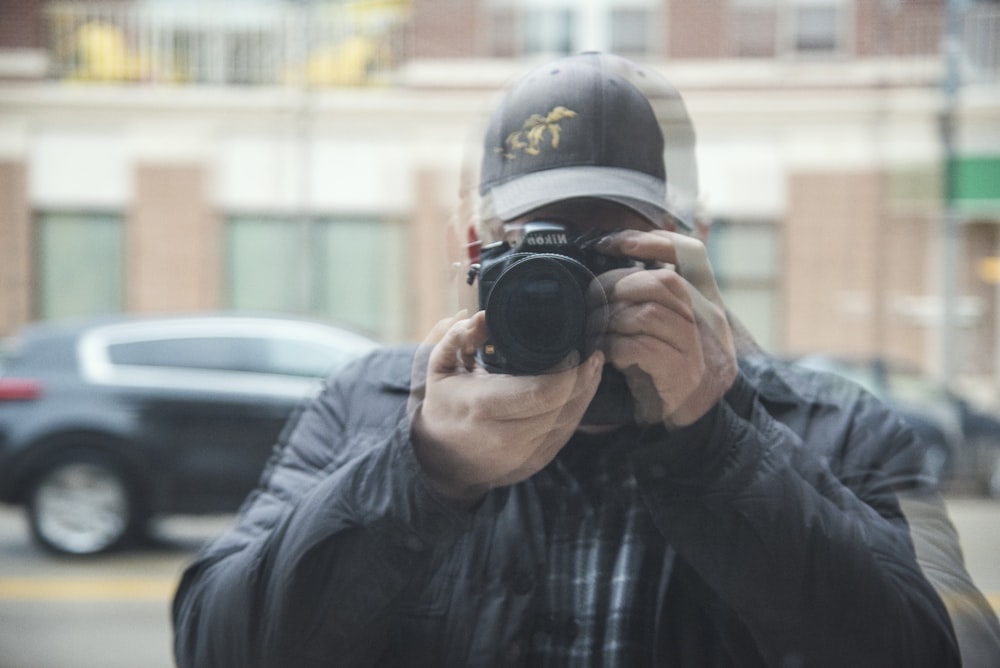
(387, 367)
(783, 381)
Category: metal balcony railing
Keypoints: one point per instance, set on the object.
(363, 42)
(357, 42)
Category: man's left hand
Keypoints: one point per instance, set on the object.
(668, 330)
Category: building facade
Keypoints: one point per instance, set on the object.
(308, 157)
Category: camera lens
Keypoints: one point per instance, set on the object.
(538, 312)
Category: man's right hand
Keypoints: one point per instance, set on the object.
(473, 430)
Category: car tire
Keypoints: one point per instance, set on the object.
(81, 504)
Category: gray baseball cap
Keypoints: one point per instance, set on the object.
(591, 125)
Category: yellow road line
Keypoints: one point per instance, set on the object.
(86, 589)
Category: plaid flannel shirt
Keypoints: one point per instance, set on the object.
(607, 563)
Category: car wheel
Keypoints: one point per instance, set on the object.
(80, 505)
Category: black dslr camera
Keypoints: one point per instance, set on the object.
(540, 298)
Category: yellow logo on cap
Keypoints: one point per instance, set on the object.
(531, 135)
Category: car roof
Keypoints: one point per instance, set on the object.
(55, 341)
(70, 327)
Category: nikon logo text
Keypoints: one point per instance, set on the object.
(546, 240)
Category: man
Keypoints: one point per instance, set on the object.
(426, 512)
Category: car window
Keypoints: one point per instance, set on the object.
(289, 357)
(304, 358)
(214, 353)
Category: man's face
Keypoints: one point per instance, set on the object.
(584, 216)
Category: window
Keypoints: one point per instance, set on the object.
(746, 258)
(353, 271)
(817, 26)
(630, 31)
(359, 270)
(563, 27)
(264, 270)
(200, 352)
(770, 28)
(251, 354)
(548, 31)
(80, 269)
(304, 358)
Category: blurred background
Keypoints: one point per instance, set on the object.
(301, 157)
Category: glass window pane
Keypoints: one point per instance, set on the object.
(265, 271)
(757, 310)
(744, 252)
(549, 31)
(746, 259)
(352, 271)
(303, 358)
(630, 29)
(215, 353)
(360, 269)
(816, 28)
(80, 265)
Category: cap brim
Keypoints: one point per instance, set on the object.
(641, 192)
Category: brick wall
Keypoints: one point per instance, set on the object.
(174, 259)
(697, 28)
(16, 248)
(21, 24)
(851, 265)
(909, 28)
(446, 29)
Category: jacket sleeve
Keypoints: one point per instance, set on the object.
(940, 557)
(799, 534)
(324, 549)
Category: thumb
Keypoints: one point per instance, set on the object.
(418, 372)
(456, 351)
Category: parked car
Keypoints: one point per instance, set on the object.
(107, 423)
(963, 443)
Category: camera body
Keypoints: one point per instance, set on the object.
(541, 300)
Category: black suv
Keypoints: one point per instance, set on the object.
(106, 423)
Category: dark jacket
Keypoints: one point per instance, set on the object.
(781, 504)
